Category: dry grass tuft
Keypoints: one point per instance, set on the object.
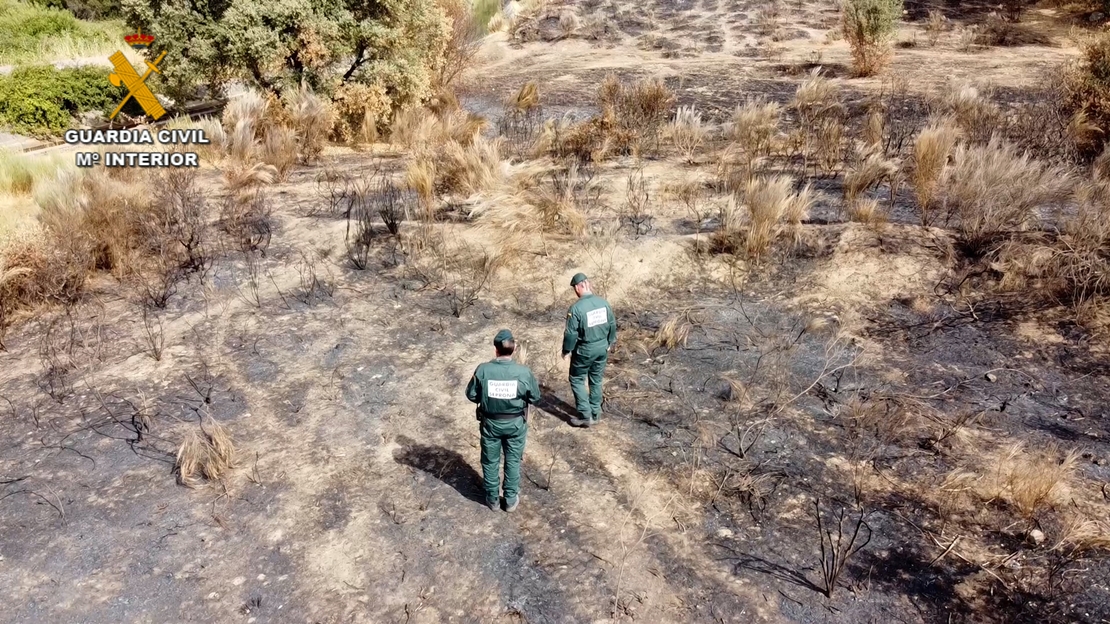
(931, 152)
(1082, 536)
(820, 113)
(868, 174)
(526, 99)
(687, 131)
(975, 115)
(312, 120)
(421, 178)
(768, 200)
(672, 333)
(207, 454)
(469, 169)
(867, 211)
(568, 22)
(992, 190)
(1030, 480)
(279, 150)
(239, 176)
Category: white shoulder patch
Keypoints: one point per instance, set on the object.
(496, 389)
(596, 317)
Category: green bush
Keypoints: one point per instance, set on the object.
(35, 33)
(391, 46)
(41, 100)
(868, 26)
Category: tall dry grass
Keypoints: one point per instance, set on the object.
(932, 150)
(312, 119)
(687, 131)
(767, 208)
(991, 190)
(874, 170)
(820, 114)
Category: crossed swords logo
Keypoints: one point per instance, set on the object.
(126, 75)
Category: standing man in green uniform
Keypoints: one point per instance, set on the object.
(589, 334)
(503, 391)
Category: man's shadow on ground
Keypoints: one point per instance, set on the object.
(555, 406)
(444, 464)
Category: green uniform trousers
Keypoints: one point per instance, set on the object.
(502, 437)
(588, 363)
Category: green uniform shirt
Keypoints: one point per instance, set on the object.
(590, 322)
(502, 386)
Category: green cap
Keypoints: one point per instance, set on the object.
(502, 336)
(577, 279)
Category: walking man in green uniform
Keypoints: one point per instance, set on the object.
(503, 391)
(589, 334)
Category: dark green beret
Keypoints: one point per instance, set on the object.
(577, 279)
(502, 336)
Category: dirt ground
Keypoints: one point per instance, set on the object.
(839, 375)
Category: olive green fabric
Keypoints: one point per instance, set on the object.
(590, 331)
(502, 437)
(577, 279)
(502, 386)
(502, 336)
(589, 368)
(588, 324)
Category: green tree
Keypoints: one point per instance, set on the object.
(868, 26)
(391, 46)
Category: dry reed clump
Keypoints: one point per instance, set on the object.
(522, 123)
(975, 115)
(770, 203)
(279, 150)
(632, 119)
(819, 138)
(312, 119)
(992, 190)
(868, 174)
(207, 454)
(1074, 268)
(672, 333)
(468, 169)
(752, 132)
(935, 26)
(687, 131)
(932, 150)
(420, 128)
(552, 202)
(568, 22)
(20, 173)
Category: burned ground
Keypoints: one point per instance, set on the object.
(858, 370)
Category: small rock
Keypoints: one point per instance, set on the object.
(1095, 17)
(1036, 536)
(991, 377)
(1101, 461)
(723, 533)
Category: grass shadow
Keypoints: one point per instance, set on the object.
(444, 464)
